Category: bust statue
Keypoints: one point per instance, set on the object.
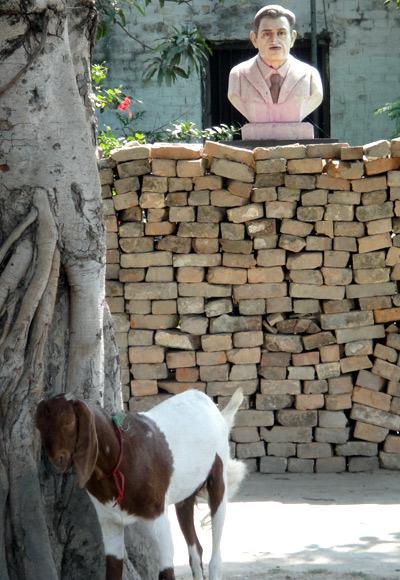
(273, 86)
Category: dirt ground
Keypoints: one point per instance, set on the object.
(307, 527)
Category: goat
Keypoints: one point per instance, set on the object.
(169, 455)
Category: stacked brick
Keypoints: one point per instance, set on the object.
(275, 270)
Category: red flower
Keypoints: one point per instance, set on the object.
(124, 104)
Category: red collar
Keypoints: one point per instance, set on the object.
(116, 474)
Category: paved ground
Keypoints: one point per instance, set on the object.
(308, 527)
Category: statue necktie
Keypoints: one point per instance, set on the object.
(276, 81)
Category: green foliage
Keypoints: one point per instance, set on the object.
(396, 1)
(104, 97)
(107, 141)
(182, 53)
(112, 99)
(392, 110)
(188, 132)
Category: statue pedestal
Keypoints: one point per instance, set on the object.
(256, 131)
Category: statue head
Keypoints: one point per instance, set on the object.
(273, 34)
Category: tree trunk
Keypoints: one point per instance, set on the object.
(53, 319)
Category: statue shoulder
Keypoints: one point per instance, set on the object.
(301, 65)
(245, 66)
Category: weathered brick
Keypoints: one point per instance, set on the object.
(140, 388)
(192, 305)
(176, 339)
(163, 167)
(246, 450)
(190, 168)
(318, 292)
(246, 213)
(296, 465)
(273, 464)
(309, 402)
(366, 290)
(375, 417)
(351, 153)
(283, 342)
(364, 333)
(175, 151)
(338, 402)
(327, 370)
(325, 181)
(379, 148)
(294, 418)
(338, 435)
(317, 340)
(280, 434)
(346, 320)
(371, 398)
(154, 321)
(386, 370)
(345, 169)
(337, 276)
(146, 354)
(180, 184)
(300, 166)
(254, 418)
(359, 347)
(330, 464)
(357, 464)
(314, 450)
(392, 444)
(215, 342)
(310, 213)
(370, 433)
(149, 371)
(285, 151)
(204, 289)
(232, 170)
(273, 402)
(271, 165)
(339, 212)
(374, 212)
(315, 387)
(245, 434)
(367, 184)
(305, 260)
(221, 198)
(280, 387)
(387, 315)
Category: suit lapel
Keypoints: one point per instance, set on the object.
(256, 79)
(294, 75)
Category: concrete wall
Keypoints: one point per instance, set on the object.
(364, 59)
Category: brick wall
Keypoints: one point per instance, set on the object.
(275, 269)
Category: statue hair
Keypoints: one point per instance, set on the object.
(274, 11)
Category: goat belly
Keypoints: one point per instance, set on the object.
(195, 432)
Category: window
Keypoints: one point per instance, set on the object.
(216, 107)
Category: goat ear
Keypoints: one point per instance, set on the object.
(86, 449)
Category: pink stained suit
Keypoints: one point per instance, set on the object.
(300, 92)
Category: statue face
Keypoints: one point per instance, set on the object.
(273, 40)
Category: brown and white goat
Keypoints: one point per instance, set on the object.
(164, 456)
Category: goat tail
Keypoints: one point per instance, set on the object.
(236, 472)
(230, 410)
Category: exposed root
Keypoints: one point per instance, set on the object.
(17, 233)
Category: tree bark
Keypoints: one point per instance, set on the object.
(53, 318)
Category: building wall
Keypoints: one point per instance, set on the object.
(364, 59)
